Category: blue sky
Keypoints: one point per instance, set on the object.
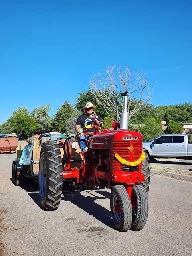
(50, 49)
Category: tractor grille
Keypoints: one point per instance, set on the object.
(122, 149)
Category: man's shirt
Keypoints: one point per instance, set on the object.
(87, 122)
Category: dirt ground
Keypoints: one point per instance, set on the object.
(2, 230)
(174, 165)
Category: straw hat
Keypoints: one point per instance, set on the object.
(89, 105)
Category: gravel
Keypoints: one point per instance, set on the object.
(172, 164)
(83, 226)
(174, 168)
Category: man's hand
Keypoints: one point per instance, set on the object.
(80, 130)
(99, 123)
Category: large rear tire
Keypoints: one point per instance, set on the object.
(139, 207)
(50, 176)
(121, 208)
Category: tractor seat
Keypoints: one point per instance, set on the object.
(72, 153)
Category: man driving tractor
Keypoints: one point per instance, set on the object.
(85, 124)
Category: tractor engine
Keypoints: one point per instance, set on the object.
(118, 154)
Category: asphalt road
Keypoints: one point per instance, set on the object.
(82, 225)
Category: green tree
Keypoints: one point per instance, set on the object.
(87, 96)
(174, 127)
(22, 123)
(83, 98)
(5, 128)
(150, 128)
(146, 111)
(70, 122)
(181, 113)
(42, 117)
(61, 119)
(107, 121)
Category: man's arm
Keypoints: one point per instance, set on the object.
(99, 121)
(78, 126)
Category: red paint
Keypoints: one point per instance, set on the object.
(71, 174)
(103, 146)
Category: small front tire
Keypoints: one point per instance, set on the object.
(139, 207)
(121, 208)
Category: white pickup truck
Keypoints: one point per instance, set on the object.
(170, 146)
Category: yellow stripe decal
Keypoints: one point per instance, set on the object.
(125, 162)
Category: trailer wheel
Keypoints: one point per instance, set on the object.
(50, 176)
(139, 207)
(121, 208)
(146, 170)
(17, 180)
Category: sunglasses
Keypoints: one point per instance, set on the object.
(88, 108)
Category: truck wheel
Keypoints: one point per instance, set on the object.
(17, 180)
(139, 207)
(150, 158)
(121, 208)
(50, 176)
(146, 169)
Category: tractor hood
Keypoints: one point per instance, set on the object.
(126, 135)
(123, 135)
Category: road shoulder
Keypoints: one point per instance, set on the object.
(172, 168)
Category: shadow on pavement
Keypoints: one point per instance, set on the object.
(32, 189)
(88, 204)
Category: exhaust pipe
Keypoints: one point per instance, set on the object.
(124, 122)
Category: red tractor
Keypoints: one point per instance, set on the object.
(114, 160)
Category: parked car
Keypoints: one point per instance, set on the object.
(44, 135)
(3, 135)
(170, 146)
(20, 137)
(55, 136)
